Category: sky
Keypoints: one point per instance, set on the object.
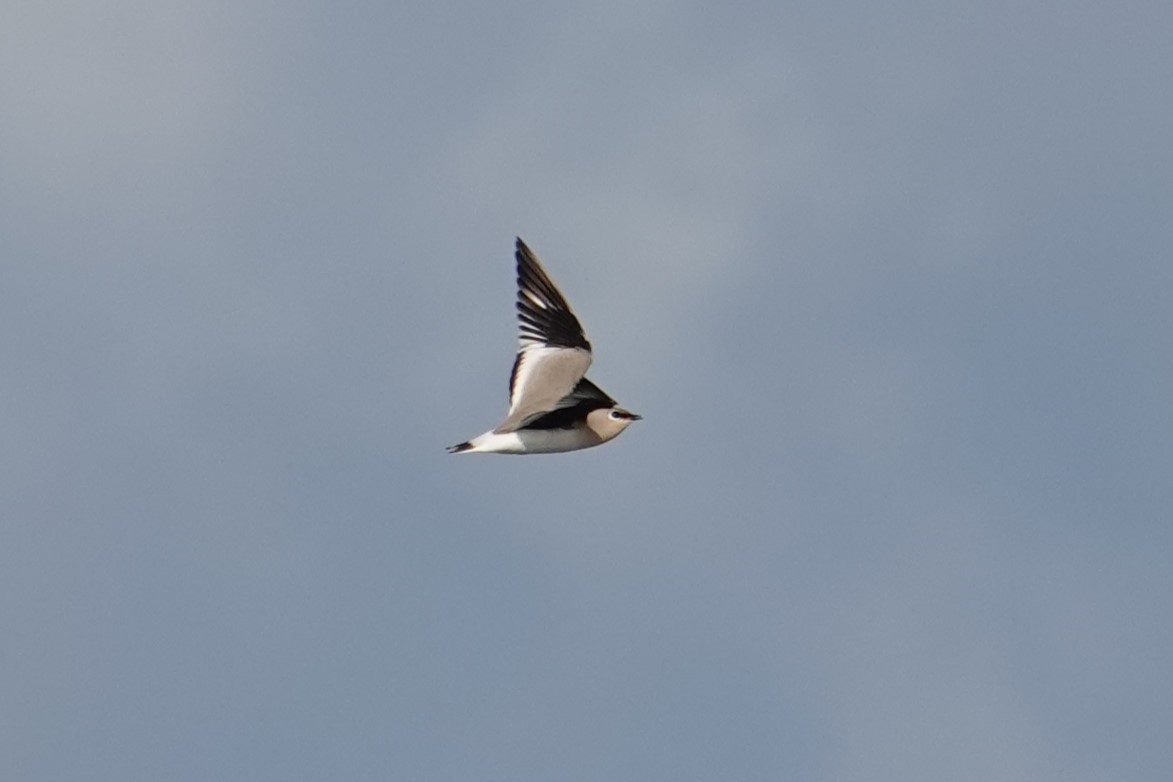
(889, 283)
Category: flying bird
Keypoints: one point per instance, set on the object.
(552, 406)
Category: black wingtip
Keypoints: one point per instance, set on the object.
(544, 317)
(460, 447)
(521, 250)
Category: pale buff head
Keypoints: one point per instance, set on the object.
(608, 422)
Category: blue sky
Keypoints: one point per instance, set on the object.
(889, 284)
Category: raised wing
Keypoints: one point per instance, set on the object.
(544, 318)
(553, 352)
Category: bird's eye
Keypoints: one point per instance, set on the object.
(616, 415)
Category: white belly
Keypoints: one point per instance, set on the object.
(535, 441)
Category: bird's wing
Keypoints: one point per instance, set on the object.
(573, 407)
(553, 353)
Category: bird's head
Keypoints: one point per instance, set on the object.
(608, 422)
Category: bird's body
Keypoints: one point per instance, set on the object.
(552, 406)
(531, 441)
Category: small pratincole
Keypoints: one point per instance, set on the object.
(552, 406)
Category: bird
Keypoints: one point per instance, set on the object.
(553, 407)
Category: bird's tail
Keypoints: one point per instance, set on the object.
(460, 447)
